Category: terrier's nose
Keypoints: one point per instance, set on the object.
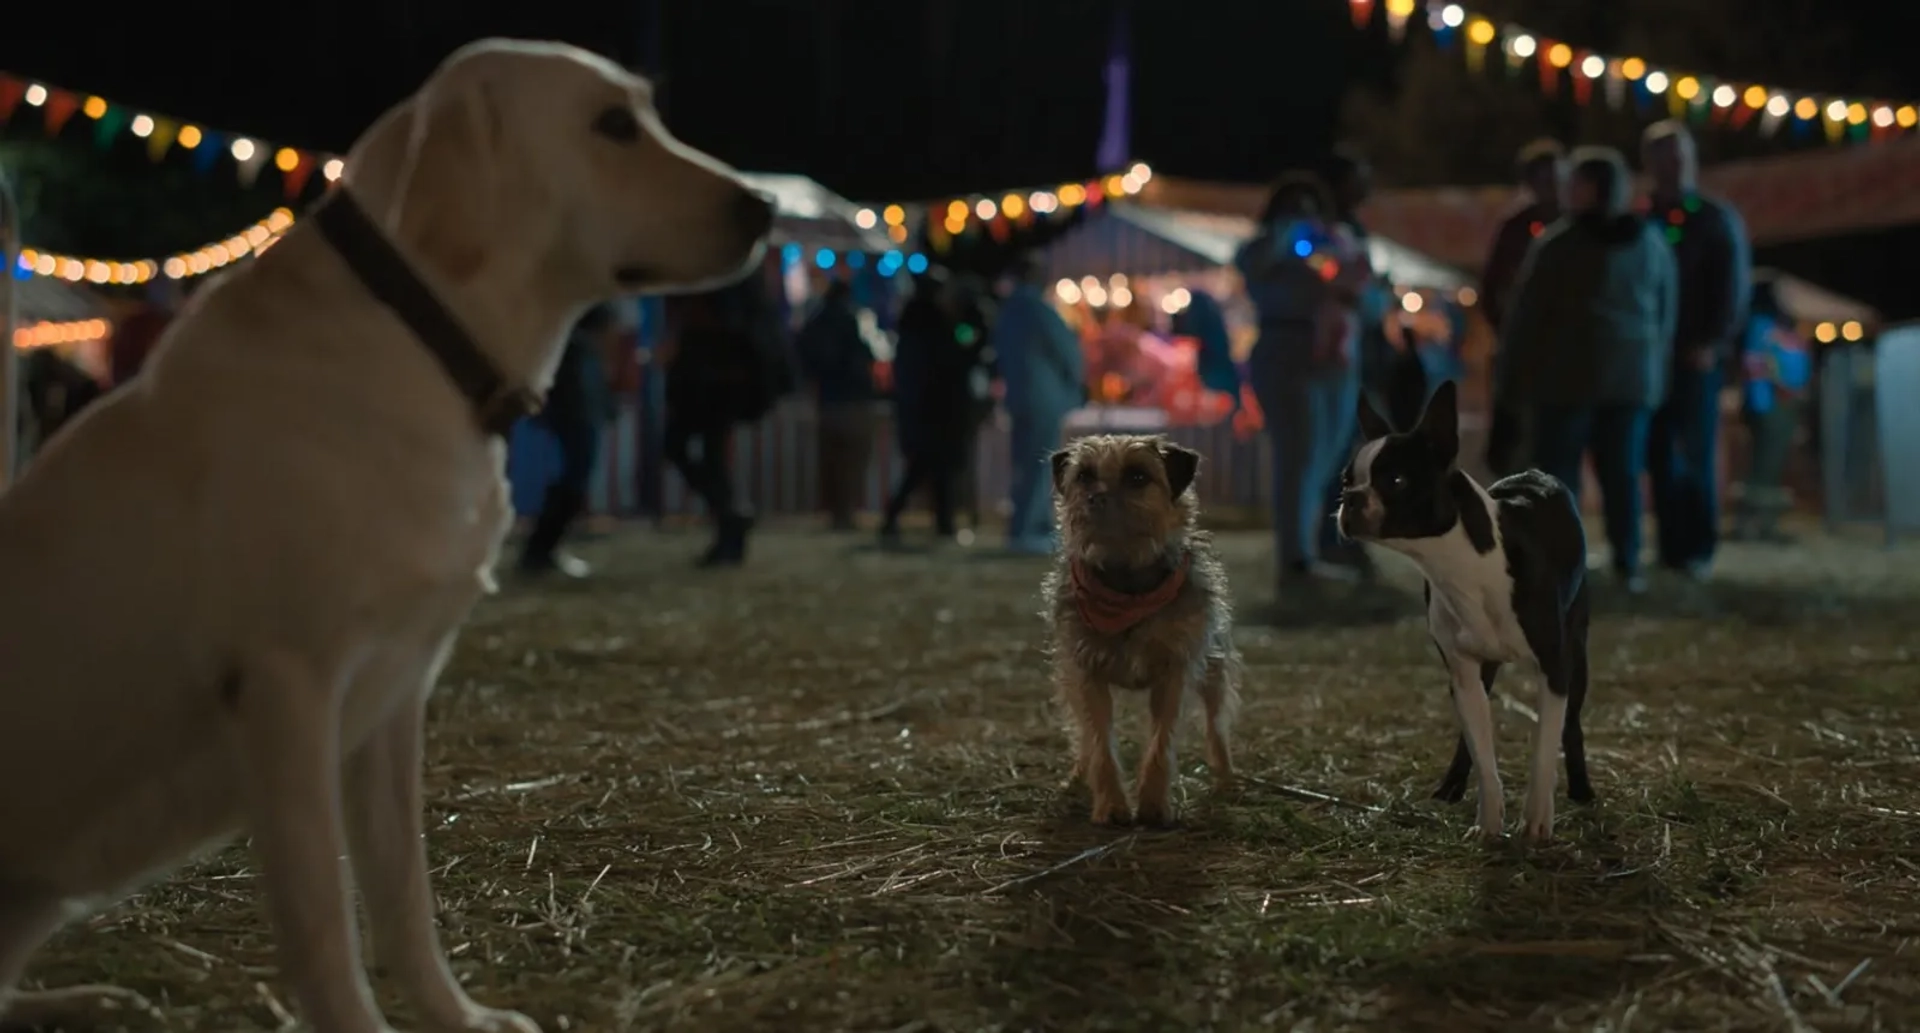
(1099, 501)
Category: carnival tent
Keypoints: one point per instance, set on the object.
(1147, 240)
(1811, 303)
(813, 216)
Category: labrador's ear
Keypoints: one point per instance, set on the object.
(1372, 424)
(1440, 423)
(447, 203)
(1062, 462)
(1182, 465)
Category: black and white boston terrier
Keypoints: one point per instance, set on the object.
(1506, 583)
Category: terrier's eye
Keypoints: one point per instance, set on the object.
(1138, 478)
(1085, 476)
(1397, 481)
(617, 124)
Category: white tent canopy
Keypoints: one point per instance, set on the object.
(1813, 303)
(1141, 240)
(813, 216)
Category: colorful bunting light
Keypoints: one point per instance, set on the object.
(1693, 96)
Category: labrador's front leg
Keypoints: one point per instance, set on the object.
(285, 719)
(390, 864)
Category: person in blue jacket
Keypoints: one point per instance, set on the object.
(1044, 371)
(1778, 370)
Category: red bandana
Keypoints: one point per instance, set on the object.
(1111, 612)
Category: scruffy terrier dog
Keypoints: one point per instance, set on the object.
(1506, 584)
(1138, 601)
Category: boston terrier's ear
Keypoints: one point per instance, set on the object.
(1181, 465)
(1061, 461)
(1372, 424)
(1440, 423)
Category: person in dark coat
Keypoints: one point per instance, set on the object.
(1584, 349)
(579, 407)
(839, 366)
(1715, 264)
(1542, 169)
(728, 367)
(933, 400)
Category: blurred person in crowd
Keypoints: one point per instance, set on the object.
(977, 312)
(578, 409)
(1044, 371)
(135, 335)
(727, 367)
(1350, 178)
(1304, 271)
(55, 390)
(1778, 371)
(1542, 170)
(1206, 322)
(1710, 250)
(838, 365)
(933, 400)
(1584, 350)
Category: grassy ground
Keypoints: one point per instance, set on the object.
(823, 793)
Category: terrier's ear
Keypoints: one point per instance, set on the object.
(1062, 462)
(1372, 424)
(1440, 423)
(1182, 464)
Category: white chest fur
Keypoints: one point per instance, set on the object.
(1471, 611)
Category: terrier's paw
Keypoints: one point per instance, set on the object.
(489, 1020)
(1154, 814)
(1111, 812)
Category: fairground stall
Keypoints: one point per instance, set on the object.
(1124, 279)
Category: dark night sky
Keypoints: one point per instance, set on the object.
(911, 99)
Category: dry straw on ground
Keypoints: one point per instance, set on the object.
(822, 793)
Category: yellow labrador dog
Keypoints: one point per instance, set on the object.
(225, 592)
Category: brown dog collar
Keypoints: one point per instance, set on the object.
(1110, 611)
(497, 404)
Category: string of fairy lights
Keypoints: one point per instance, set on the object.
(1622, 79)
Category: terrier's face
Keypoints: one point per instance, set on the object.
(1123, 500)
(1397, 486)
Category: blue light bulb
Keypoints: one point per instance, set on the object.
(790, 254)
(1303, 247)
(823, 259)
(856, 259)
(916, 264)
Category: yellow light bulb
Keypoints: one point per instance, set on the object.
(1560, 56)
(1633, 68)
(956, 211)
(1907, 116)
(286, 159)
(1805, 108)
(1072, 195)
(894, 215)
(1825, 333)
(95, 107)
(1013, 205)
(1852, 330)
(1115, 185)
(1400, 8)
(1687, 87)
(1756, 97)
(188, 137)
(1480, 32)
(1856, 113)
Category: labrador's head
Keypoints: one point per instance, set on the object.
(547, 166)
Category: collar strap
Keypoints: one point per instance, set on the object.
(497, 404)
(1113, 612)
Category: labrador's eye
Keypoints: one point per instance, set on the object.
(617, 124)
